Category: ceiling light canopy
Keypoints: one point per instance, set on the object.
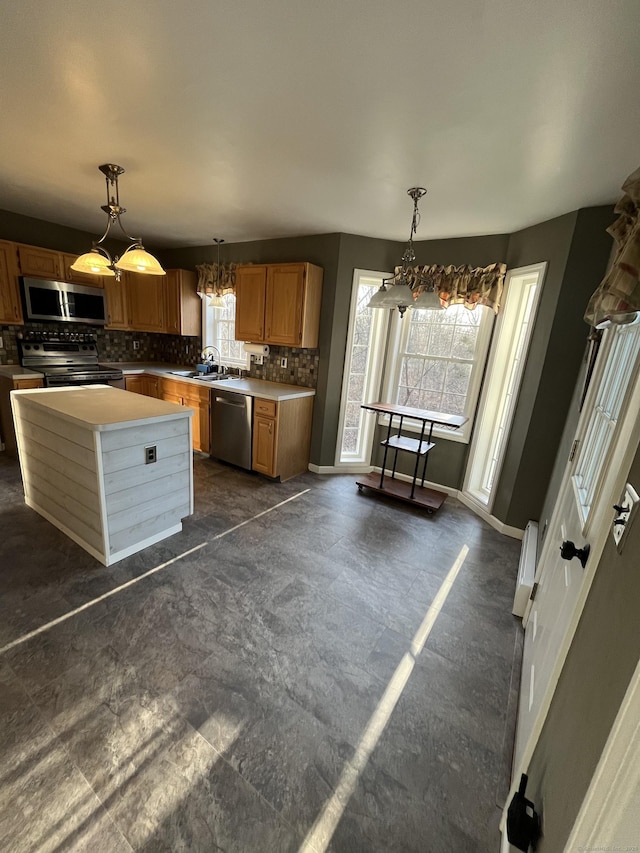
(134, 258)
(400, 290)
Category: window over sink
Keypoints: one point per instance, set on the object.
(219, 331)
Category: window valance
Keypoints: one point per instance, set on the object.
(465, 285)
(618, 296)
(214, 280)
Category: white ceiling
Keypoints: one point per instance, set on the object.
(249, 119)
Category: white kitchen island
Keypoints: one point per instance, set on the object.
(111, 469)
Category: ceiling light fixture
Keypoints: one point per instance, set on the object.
(399, 290)
(134, 258)
(216, 300)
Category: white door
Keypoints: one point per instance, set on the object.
(583, 515)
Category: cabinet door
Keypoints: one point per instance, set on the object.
(152, 387)
(117, 306)
(264, 445)
(182, 305)
(10, 308)
(145, 300)
(172, 303)
(79, 277)
(44, 263)
(136, 384)
(283, 314)
(250, 301)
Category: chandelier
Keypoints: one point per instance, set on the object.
(134, 258)
(399, 290)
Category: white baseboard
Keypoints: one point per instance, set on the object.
(498, 525)
(340, 469)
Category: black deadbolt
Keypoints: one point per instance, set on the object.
(568, 551)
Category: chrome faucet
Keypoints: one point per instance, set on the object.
(208, 357)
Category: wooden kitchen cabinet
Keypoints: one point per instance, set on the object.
(117, 304)
(251, 290)
(145, 299)
(279, 304)
(7, 429)
(143, 383)
(281, 436)
(198, 399)
(43, 263)
(182, 305)
(10, 305)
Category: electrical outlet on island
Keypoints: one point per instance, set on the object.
(136, 344)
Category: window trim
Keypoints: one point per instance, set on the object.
(392, 372)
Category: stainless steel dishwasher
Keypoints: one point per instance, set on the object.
(231, 427)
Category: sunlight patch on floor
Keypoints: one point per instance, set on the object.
(319, 836)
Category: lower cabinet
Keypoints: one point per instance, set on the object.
(282, 436)
(183, 393)
(198, 399)
(7, 429)
(143, 384)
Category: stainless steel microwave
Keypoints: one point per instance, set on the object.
(63, 302)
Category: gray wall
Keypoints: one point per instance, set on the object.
(595, 677)
(576, 247)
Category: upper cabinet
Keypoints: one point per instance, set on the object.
(279, 304)
(145, 297)
(117, 304)
(43, 263)
(182, 305)
(10, 307)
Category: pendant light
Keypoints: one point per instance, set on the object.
(134, 258)
(399, 290)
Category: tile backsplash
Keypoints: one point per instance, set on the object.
(113, 345)
(117, 346)
(301, 369)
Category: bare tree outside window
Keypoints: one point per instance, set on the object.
(438, 351)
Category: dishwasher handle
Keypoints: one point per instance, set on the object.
(238, 405)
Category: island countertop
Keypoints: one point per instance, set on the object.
(101, 407)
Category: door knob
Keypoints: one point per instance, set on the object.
(568, 551)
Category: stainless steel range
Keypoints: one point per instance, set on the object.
(66, 358)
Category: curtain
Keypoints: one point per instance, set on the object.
(463, 285)
(213, 281)
(618, 296)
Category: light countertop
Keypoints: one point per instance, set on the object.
(101, 407)
(14, 371)
(253, 387)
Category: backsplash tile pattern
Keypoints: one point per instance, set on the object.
(301, 369)
(113, 345)
(117, 346)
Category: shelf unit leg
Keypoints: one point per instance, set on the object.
(415, 470)
(424, 468)
(386, 450)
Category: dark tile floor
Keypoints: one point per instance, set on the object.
(263, 692)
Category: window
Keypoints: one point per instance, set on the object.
(440, 361)
(362, 371)
(620, 363)
(219, 331)
(502, 385)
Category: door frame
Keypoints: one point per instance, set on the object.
(596, 532)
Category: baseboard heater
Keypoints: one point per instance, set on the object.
(526, 568)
